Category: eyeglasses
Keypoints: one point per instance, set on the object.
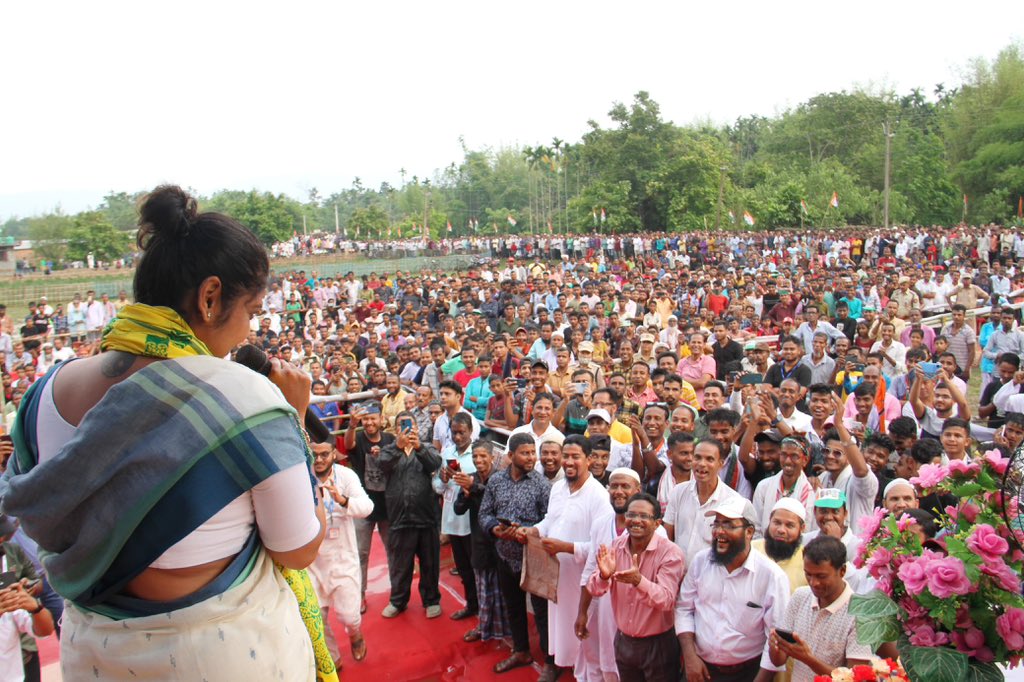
(639, 516)
(728, 525)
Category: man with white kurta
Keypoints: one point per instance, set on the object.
(574, 504)
(595, 622)
(790, 482)
(335, 573)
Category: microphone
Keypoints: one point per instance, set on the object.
(256, 360)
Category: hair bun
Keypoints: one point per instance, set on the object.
(168, 211)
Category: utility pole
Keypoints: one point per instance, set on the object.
(721, 197)
(426, 214)
(887, 130)
(336, 225)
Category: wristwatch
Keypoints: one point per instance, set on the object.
(38, 609)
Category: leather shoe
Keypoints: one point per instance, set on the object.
(472, 636)
(517, 660)
(463, 613)
(359, 649)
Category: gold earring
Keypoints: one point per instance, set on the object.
(208, 314)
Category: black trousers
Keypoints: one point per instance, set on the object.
(462, 552)
(648, 659)
(743, 672)
(33, 668)
(407, 545)
(515, 602)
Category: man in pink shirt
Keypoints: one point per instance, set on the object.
(643, 572)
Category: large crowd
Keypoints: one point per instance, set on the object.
(691, 425)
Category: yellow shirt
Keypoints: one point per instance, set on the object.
(391, 407)
(793, 567)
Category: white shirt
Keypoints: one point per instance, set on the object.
(731, 614)
(12, 624)
(860, 492)
(551, 433)
(768, 492)
(685, 514)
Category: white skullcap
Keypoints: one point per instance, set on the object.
(793, 506)
(895, 482)
(625, 471)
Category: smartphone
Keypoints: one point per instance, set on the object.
(581, 388)
(930, 369)
(858, 367)
(505, 522)
(732, 377)
(786, 635)
(751, 379)
(405, 425)
(453, 464)
(521, 383)
(7, 578)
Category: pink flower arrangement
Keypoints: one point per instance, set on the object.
(963, 594)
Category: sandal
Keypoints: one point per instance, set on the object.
(359, 649)
(516, 660)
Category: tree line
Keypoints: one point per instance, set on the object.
(956, 154)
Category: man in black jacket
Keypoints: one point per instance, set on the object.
(415, 521)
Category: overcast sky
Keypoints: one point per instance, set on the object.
(101, 96)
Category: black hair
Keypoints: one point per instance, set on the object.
(649, 499)
(658, 406)
(864, 390)
(956, 423)
(926, 450)
(722, 414)
(820, 389)
(602, 443)
(453, 385)
(879, 439)
(520, 439)
(577, 439)
(463, 418)
(921, 518)
(183, 247)
(903, 427)
(723, 449)
(483, 444)
(826, 549)
(677, 437)
(1010, 359)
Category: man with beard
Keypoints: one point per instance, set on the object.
(574, 504)
(688, 503)
(818, 618)
(642, 571)
(516, 497)
(783, 540)
(595, 623)
(335, 573)
(724, 632)
(789, 484)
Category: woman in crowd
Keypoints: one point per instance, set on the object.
(191, 474)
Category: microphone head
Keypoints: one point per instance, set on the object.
(254, 358)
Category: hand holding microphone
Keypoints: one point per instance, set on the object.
(293, 382)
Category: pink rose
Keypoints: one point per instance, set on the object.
(869, 525)
(913, 608)
(986, 543)
(878, 562)
(969, 641)
(997, 461)
(1010, 627)
(958, 467)
(1006, 578)
(969, 511)
(914, 575)
(929, 475)
(947, 577)
(905, 522)
(926, 636)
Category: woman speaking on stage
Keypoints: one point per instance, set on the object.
(163, 482)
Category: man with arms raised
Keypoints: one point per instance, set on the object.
(643, 571)
(730, 600)
(789, 483)
(575, 503)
